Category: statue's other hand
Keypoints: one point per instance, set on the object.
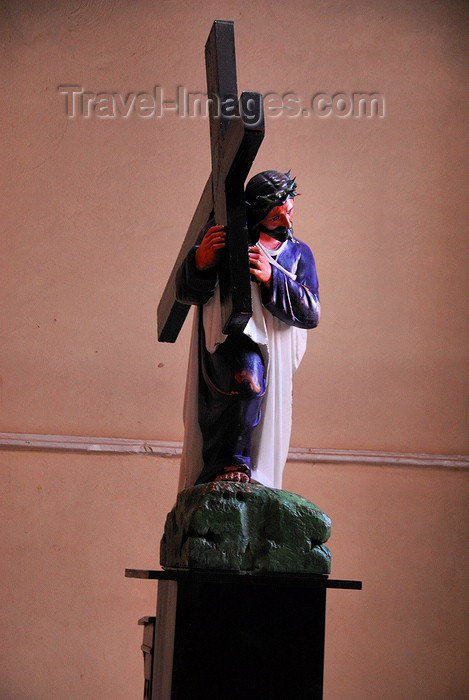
(261, 269)
(208, 252)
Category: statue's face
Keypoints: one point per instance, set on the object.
(279, 219)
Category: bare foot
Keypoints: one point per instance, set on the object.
(234, 475)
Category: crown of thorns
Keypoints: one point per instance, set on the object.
(268, 201)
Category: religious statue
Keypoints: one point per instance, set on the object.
(237, 408)
(256, 291)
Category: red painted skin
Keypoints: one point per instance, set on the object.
(279, 216)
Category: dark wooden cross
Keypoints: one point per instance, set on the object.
(236, 132)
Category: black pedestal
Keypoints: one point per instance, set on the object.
(229, 635)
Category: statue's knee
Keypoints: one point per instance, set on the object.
(251, 377)
(249, 381)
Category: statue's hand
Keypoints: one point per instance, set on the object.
(208, 252)
(261, 269)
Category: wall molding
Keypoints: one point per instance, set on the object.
(168, 449)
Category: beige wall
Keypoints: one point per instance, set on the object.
(92, 215)
(71, 525)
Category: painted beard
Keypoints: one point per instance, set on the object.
(281, 233)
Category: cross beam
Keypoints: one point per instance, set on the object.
(236, 133)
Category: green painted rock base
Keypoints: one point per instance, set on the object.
(245, 527)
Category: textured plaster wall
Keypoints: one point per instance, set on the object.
(92, 215)
(94, 211)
